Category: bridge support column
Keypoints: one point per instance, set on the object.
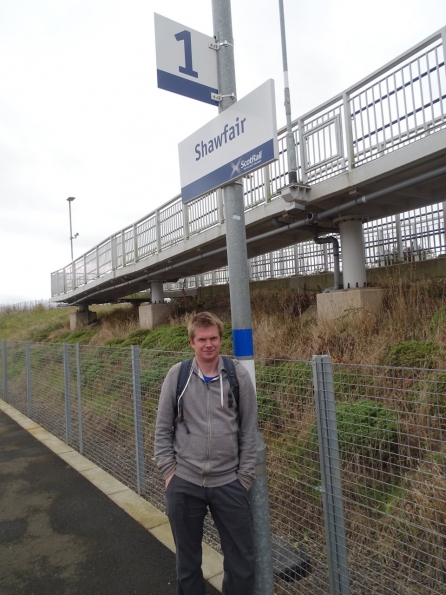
(82, 317)
(356, 297)
(353, 252)
(157, 292)
(154, 314)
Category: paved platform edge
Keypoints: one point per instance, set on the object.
(136, 507)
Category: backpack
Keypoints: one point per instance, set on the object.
(183, 377)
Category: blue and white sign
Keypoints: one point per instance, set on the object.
(239, 140)
(185, 63)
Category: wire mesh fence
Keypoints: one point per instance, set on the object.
(356, 455)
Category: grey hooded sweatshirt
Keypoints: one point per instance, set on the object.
(215, 444)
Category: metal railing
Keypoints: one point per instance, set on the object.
(407, 237)
(399, 104)
(356, 455)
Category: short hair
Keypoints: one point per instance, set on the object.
(204, 320)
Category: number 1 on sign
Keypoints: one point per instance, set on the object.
(188, 68)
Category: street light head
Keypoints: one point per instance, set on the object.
(71, 198)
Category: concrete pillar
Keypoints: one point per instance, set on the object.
(152, 315)
(157, 292)
(82, 317)
(353, 251)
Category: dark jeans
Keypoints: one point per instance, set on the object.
(229, 505)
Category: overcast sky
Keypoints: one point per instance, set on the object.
(81, 115)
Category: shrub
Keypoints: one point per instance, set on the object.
(266, 407)
(412, 354)
(38, 335)
(167, 338)
(81, 336)
(226, 340)
(438, 320)
(114, 343)
(136, 338)
(367, 432)
(366, 429)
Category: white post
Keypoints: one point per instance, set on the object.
(135, 243)
(353, 251)
(303, 153)
(186, 230)
(114, 255)
(381, 255)
(158, 231)
(157, 292)
(348, 131)
(123, 247)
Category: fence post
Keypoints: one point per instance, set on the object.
(135, 243)
(331, 475)
(381, 251)
(158, 231)
(79, 399)
(185, 210)
(348, 131)
(303, 152)
(137, 415)
(267, 184)
(28, 379)
(4, 367)
(66, 367)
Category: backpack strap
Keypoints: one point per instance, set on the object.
(233, 382)
(183, 376)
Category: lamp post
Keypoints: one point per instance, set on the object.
(291, 147)
(70, 200)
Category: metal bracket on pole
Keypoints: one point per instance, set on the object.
(218, 96)
(295, 193)
(296, 196)
(218, 44)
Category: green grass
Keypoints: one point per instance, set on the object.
(413, 354)
(34, 325)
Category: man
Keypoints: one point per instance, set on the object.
(205, 447)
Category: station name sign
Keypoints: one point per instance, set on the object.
(236, 142)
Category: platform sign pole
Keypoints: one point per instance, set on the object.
(240, 295)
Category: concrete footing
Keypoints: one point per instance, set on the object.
(152, 315)
(339, 303)
(80, 319)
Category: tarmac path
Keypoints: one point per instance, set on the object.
(60, 535)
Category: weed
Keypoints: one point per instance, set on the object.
(136, 337)
(412, 354)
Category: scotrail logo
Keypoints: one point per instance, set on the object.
(245, 164)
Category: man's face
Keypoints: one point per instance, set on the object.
(206, 344)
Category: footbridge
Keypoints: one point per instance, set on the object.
(374, 150)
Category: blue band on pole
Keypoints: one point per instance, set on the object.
(243, 343)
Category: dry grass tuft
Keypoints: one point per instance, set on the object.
(116, 323)
(281, 329)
